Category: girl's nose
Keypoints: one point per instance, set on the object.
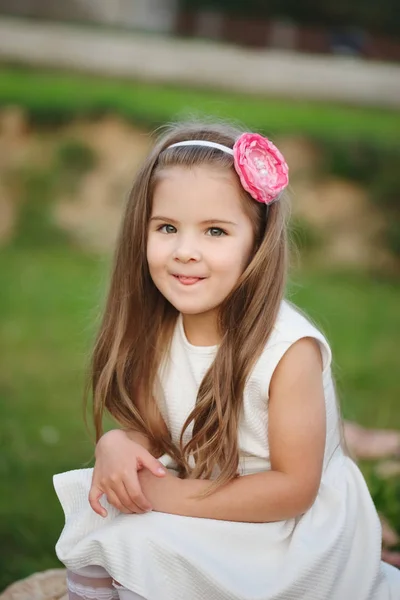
(186, 251)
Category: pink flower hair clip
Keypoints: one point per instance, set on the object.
(261, 167)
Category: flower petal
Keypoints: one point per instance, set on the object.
(261, 167)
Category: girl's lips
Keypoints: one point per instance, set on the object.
(188, 280)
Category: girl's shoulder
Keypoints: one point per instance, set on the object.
(290, 326)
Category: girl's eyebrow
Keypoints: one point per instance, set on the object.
(160, 218)
(207, 222)
(220, 221)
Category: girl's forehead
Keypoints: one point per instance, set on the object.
(198, 191)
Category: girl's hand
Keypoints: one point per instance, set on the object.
(118, 460)
(166, 495)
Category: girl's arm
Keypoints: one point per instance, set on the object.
(296, 432)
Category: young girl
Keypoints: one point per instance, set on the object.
(209, 369)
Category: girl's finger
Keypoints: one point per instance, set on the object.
(135, 493)
(94, 500)
(137, 505)
(115, 501)
(124, 498)
(152, 464)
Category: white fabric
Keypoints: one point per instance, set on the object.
(124, 594)
(332, 552)
(93, 571)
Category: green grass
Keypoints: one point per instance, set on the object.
(47, 313)
(49, 305)
(51, 97)
(360, 316)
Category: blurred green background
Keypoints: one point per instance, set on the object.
(69, 146)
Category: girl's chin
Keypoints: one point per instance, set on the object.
(191, 310)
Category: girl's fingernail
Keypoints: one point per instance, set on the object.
(161, 471)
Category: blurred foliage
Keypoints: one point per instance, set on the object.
(386, 495)
(303, 236)
(393, 235)
(35, 225)
(376, 167)
(355, 159)
(368, 14)
(53, 98)
(38, 188)
(359, 143)
(73, 159)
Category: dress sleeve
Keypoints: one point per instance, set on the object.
(289, 329)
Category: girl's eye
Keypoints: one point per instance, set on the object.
(167, 229)
(216, 232)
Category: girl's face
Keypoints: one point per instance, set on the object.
(200, 239)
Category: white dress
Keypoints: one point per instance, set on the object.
(332, 552)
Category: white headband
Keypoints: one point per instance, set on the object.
(204, 143)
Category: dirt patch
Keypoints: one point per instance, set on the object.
(349, 224)
(93, 214)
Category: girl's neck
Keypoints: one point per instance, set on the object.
(201, 330)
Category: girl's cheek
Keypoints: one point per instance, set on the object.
(153, 249)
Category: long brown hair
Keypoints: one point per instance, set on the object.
(138, 321)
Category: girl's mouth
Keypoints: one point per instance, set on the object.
(188, 280)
